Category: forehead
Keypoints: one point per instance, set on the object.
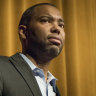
(47, 10)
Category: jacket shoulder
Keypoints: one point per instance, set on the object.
(4, 58)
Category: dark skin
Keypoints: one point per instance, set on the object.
(44, 38)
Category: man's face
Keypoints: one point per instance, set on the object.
(46, 30)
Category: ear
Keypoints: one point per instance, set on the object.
(22, 31)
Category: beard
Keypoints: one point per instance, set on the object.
(53, 50)
(43, 51)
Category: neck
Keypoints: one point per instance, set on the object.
(44, 66)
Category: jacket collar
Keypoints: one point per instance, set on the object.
(26, 73)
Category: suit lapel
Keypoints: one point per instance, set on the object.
(26, 73)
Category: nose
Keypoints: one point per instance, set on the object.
(55, 29)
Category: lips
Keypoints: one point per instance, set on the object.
(55, 40)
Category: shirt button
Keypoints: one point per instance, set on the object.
(38, 70)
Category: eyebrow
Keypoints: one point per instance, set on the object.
(61, 20)
(45, 16)
(49, 16)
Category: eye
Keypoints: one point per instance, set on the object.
(61, 25)
(44, 20)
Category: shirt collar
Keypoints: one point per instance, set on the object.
(35, 69)
(28, 61)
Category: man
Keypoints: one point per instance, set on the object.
(41, 32)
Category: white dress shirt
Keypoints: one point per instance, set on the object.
(47, 88)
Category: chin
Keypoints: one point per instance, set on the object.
(54, 51)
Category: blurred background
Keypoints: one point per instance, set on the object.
(75, 68)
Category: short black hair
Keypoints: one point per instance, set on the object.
(27, 15)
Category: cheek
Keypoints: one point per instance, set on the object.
(63, 35)
(42, 27)
(37, 34)
(41, 30)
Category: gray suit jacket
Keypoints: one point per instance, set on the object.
(16, 78)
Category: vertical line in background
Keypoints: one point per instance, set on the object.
(92, 46)
(24, 4)
(61, 6)
(65, 80)
(65, 74)
(75, 20)
(9, 26)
